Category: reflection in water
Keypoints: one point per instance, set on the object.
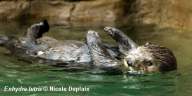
(17, 73)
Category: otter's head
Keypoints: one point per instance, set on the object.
(151, 58)
(147, 58)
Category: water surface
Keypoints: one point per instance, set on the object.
(18, 73)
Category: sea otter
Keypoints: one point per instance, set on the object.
(91, 54)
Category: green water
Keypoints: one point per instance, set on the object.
(15, 73)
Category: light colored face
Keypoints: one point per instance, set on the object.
(141, 59)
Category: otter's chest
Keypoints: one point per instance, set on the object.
(70, 52)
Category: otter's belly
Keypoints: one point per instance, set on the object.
(70, 52)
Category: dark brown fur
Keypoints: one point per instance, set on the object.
(163, 57)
